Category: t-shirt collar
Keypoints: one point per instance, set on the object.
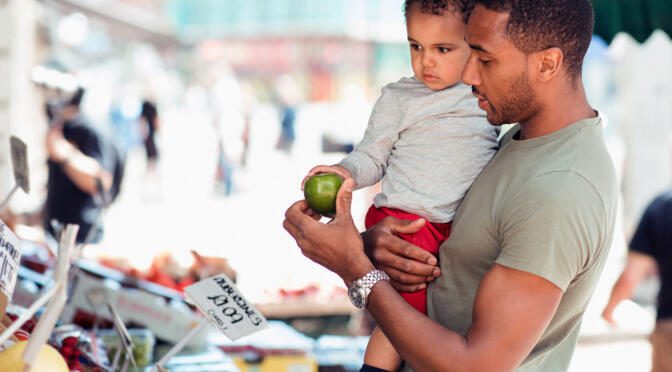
(551, 137)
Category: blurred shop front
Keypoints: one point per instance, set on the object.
(326, 46)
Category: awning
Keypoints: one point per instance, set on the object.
(124, 20)
(639, 18)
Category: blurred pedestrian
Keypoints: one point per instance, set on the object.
(150, 117)
(229, 122)
(81, 170)
(287, 92)
(650, 255)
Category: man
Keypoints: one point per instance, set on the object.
(531, 237)
(651, 254)
(80, 164)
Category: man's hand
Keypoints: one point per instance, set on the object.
(337, 245)
(608, 316)
(340, 170)
(410, 267)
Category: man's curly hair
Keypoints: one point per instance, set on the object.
(535, 25)
(440, 7)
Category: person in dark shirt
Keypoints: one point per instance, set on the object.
(150, 115)
(651, 254)
(80, 171)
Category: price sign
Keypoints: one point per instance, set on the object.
(20, 163)
(10, 256)
(225, 307)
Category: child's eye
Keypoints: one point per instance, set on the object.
(415, 46)
(444, 50)
(484, 61)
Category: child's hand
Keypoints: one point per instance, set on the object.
(340, 170)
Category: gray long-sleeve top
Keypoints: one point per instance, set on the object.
(426, 147)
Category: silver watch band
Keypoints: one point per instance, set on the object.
(373, 277)
(359, 290)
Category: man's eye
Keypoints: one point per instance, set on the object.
(444, 50)
(484, 61)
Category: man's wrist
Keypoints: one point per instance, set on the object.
(358, 273)
(360, 289)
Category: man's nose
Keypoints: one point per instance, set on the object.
(470, 74)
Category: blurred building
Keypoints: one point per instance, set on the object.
(325, 45)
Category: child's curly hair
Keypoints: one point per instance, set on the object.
(440, 7)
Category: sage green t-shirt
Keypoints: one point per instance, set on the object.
(546, 206)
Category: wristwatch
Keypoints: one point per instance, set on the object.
(359, 290)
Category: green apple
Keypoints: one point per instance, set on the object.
(320, 192)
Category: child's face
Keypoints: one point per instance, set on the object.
(438, 50)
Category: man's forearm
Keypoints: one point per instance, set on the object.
(422, 343)
(85, 171)
(637, 268)
(623, 290)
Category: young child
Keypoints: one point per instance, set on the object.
(426, 141)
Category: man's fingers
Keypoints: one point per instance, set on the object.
(404, 278)
(413, 252)
(290, 228)
(344, 200)
(298, 214)
(404, 262)
(314, 215)
(398, 250)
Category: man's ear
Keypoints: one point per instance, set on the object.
(548, 63)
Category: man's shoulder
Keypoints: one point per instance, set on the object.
(80, 127)
(661, 204)
(664, 199)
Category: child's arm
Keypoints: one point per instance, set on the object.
(340, 170)
(368, 162)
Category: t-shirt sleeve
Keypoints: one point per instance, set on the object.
(91, 144)
(643, 241)
(550, 228)
(368, 161)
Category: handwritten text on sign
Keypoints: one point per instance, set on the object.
(224, 305)
(10, 255)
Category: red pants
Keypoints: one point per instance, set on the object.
(428, 238)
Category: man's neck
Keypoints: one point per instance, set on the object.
(564, 110)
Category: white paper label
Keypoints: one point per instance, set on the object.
(20, 163)
(10, 256)
(225, 307)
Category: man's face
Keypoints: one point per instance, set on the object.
(438, 49)
(497, 70)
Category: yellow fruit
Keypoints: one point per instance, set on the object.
(320, 192)
(48, 359)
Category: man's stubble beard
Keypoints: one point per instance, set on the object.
(516, 104)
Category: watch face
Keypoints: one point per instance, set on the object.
(357, 297)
